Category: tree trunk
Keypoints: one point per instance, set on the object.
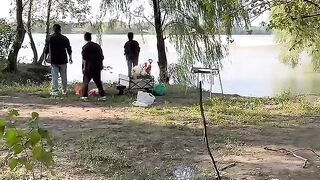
(162, 57)
(47, 30)
(20, 33)
(29, 31)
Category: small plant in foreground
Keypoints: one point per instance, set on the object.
(30, 147)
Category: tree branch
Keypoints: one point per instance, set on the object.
(205, 133)
(25, 4)
(164, 18)
(307, 16)
(313, 3)
(140, 16)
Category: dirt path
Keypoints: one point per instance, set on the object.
(107, 143)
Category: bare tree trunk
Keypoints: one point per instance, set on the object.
(162, 57)
(13, 55)
(47, 30)
(29, 31)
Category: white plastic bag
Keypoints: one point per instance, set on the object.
(144, 99)
(140, 104)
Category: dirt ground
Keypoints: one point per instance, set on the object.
(95, 142)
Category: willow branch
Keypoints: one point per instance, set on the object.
(164, 18)
(313, 3)
(141, 16)
(25, 4)
(310, 16)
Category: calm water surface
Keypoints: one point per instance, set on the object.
(251, 69)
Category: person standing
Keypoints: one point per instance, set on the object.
(92, 64)
(131, 51)
(57, 47)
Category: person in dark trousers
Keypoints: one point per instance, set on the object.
(131, 51)
(92, 64)
(57, 45)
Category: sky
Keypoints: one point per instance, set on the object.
(5, 7)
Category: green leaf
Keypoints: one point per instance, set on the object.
(13, 163)
(41, 155)
(12, 137)
(3, 124)
(28, 166)
(45, 134)
(33, 122)
(35, 115)
(24, 161)
(34, 137)
(47, 158)
(37, 152)
(17, 149)
(34, 119)
(13, 113)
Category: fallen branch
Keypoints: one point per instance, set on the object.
(287, 152)
(228, 166)
(308, 149)
(206, 134)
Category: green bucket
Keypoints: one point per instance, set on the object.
(160, 90)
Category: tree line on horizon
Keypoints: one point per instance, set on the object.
(120, 27)
(193, 26)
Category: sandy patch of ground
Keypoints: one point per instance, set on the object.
(95, 142)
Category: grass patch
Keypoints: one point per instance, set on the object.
(180, 107)
(230, 111)
(152, 143)
(26, 74)
(42, 90)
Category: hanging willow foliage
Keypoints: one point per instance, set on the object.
(195, 27)
(296, 26)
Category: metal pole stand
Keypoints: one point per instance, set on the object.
(212, 72)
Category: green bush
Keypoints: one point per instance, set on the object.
(6, 39)
(27, 73)
(29, 147)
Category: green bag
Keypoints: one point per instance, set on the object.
(160, 89)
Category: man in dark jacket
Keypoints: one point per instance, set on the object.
(131, 51)
(57, 46)
(92, 64)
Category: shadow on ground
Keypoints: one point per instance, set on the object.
(97, 142)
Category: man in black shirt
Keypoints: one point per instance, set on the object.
(57, 46)
(131, 51)
(92, 64)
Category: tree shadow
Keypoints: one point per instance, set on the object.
(120, 146)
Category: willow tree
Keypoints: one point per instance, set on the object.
(194, 26)
(295, 25)
(297, 28)
(47, 11)
(63, 10)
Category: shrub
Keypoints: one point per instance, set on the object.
(27, 148)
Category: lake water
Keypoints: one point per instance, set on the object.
(251, 69)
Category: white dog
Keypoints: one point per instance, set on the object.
(138, 70)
